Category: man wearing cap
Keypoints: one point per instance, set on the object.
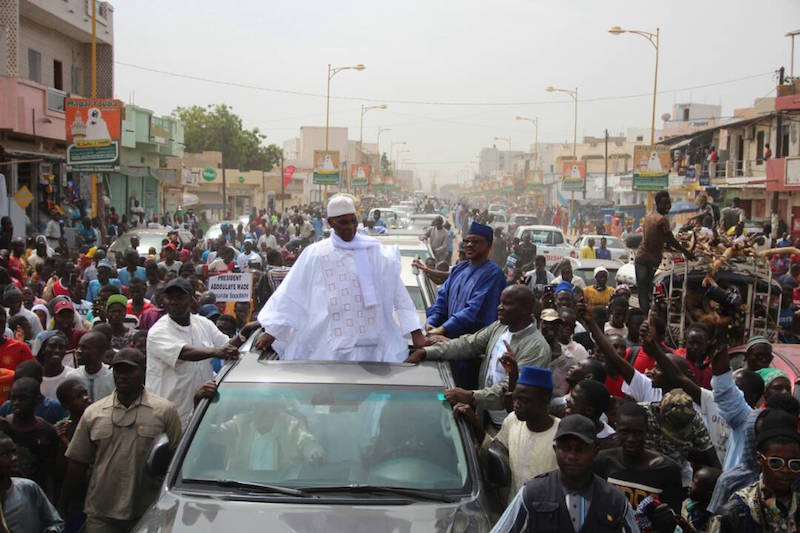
(339, 300)
(527, 433)
(105, 269)
(116, 309)
(170, 263)
(114, 436)
(599, 293)
(180, 347)
(438, 238)
(571, 498)
(770, 504)
(64, 321)
(513, 334)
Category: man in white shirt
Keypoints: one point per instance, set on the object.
(53, 230)
(340, 299)
(95, 375)
(12, 298)
(267, 240)
(249, 254)
(565, 268)
(180, 347)
(569, 346)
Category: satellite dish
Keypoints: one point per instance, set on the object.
(665, 117)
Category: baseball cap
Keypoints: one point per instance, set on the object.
(129, 356)
(550, 315)
(63, 304)
(209, 311)
(577, 426)
(105, 263)
(179, 284)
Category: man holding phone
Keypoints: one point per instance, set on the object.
(539, 279)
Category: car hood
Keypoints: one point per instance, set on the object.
(199, 515)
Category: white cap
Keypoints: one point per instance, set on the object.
(341, 205)
(600, 269)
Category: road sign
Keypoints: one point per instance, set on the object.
(23, 197)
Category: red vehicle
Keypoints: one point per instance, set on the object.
(785, 357)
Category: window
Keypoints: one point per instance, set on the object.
(784, 141)
(686, 114)
(34, 66)
(58, 75)
(760, 148)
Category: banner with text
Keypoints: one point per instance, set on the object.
(93, 129)
(651, 168)
(573, 174)
(326, 167)
(235, 287)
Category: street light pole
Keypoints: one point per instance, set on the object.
(332, 71)
(535, 151)
(364, 110)
(574, 96)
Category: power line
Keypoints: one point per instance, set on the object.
(426, 102)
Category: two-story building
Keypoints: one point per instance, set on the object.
(45, 55)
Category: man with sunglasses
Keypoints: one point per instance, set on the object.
(771, 503)
(114, 435)
(468, 299)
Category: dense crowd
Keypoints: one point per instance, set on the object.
(609, 419)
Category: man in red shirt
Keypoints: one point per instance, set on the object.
(12, 351)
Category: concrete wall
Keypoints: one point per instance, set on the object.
(313, 138)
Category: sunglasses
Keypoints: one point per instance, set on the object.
(777, 463)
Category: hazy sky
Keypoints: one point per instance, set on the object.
(463, 52)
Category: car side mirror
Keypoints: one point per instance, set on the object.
(159, 457)
(498, 471)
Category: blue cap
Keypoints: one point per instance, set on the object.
(482, 230)
(564, 286)
(535, 376)
(209, 311)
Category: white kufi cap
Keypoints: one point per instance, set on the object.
(340, 205)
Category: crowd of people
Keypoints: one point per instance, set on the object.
(608, 422)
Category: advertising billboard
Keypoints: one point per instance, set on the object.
(651, 168)
(326, 167)
(93, 131)
(573, 174)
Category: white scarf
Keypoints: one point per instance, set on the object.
(359, 246)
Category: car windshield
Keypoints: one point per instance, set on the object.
(611, 242)
(146, 241)
(545, 237)
(305, 435)
(522, 220)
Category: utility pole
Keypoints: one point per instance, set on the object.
(224, 180)
(605, 176)
(283, 183)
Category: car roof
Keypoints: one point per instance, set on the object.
(598, 237)
(252, 368)
(539, 227)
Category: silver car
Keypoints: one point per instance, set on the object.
(307, 446)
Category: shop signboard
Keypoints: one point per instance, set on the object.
(359, 175)
(326, 167)
(651, 168)
(209, 174)
(93, 129)
(573, 175)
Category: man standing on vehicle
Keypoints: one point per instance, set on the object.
(338, 300)
(180, 346)
(113, 436)
(587, 250)
(468, 299)
(603, 252)
(438, 238)
(656, 235)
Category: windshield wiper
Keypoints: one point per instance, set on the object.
(253, 487)
(419, 494)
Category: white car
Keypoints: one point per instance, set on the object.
(391, 218)
(499, 220)
(614, 245)
(521, 219)
(410, 246)
(584, 269)
(549, 240)
(497, 208)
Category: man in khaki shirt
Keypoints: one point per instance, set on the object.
(115, 435)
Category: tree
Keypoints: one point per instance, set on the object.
(217, 127)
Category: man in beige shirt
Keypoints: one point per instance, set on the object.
(115, 435)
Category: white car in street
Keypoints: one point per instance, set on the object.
(613, 244)
(549, 240)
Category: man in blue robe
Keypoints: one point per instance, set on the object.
(469, 298)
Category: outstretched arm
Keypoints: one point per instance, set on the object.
(670, 369)
(613, 360)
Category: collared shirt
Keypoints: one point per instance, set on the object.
(116, 440)
(168, 375)
(495, 373)
(529, 453)
(99, 385)
(26, 509)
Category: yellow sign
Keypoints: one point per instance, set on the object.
(23, 197)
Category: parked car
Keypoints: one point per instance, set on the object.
(521, 219)
(499, 220)
(549, 240)
(372, 447)
(148, 238)
(392, 219)
(584, 269)
(614, 245)
(417, 224)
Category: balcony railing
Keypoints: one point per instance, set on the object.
(55, 99)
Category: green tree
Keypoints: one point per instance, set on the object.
(218, 128)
